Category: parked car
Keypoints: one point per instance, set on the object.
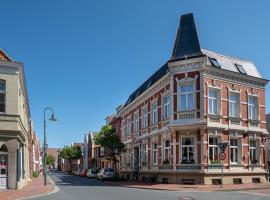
(106, 173)
(91, 173)
(77, 173)
(83, 172)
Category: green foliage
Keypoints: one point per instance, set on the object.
(70, 153)
(108, 138)
(35, 174)
(50, 160)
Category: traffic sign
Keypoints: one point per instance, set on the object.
(222, 156)
(223, 146)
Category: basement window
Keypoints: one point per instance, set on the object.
(240, 68)
(214, 62)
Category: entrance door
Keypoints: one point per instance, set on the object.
(3, 171)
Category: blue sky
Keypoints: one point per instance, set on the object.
(84, 58)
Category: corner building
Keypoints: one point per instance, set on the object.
(172, 124)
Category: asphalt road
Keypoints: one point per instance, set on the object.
(80, 188)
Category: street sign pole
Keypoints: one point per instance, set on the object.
(222, 166)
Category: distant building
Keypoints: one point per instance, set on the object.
(55, 153)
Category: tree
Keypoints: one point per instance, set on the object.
(108, 138)
(70, 153)
(50, 160)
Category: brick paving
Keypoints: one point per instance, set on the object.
(33, 188)
(263, 187)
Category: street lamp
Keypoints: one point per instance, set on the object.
(52, 118)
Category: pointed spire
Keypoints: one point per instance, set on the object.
(187, 42)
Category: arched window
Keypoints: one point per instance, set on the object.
(2, 96)
(4, 148)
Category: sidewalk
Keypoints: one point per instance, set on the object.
(33, 188)
(191, 188)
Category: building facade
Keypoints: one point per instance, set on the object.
(87, 151)
(15, 125)
(172, 124)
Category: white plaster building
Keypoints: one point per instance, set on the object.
(15, 124)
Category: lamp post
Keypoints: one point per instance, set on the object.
(45, 141)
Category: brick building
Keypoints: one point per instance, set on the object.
(172, 124)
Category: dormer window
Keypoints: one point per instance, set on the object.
(240, 68)
(214, 62)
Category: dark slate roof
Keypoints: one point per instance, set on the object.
(186, 46)
(148, 83)
(187, 43)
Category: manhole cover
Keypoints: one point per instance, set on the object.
(186, 198)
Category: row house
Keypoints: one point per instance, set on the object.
(15, 125)
(172, 124)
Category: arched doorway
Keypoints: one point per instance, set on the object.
(3, 166)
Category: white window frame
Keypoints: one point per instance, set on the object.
(155, 153)
(234, 149)
(214, 146)
(129, 123)
(212, 99)
(234, 106)
(193, 92)
(137, 121)
(145, 117)
(187, 146)
(154, 114)
(166, 148)
(256, 149)
(145, 154)
(167, 107)
(254, 115)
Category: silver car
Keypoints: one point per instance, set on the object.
(106, 173)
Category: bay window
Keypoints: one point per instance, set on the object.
(155, 153)
(213, 149)
(187, 150)
(186, 97)
(154, 113)
(213, 101)
(166, 151)
(253, 107)
(166, 107)
(234, 104)
(145, 118)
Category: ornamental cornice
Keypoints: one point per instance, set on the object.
(234, 77)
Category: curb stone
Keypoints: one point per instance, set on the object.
(55, 189)
(195, 189)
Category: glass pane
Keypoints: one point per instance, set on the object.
(188, 141)
(2, 86)
(190, 101)
(183, 103)
(2, 97)
(213, 93)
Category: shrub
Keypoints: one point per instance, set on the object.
(35, 174)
